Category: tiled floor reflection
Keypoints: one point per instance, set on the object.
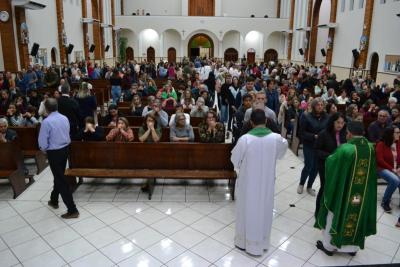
(187, 223)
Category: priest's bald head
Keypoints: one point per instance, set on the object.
(258, 118)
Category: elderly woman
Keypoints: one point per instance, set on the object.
(121, 133)
(200, 110)
(150, 132)
(181, 131)
(212, 131)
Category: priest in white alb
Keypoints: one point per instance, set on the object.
(254, 158)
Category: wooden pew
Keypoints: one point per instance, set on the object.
(27, 138)
(164, 137)
(11, 166)
(151, 161)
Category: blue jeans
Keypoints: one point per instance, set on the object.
(224, 113)
(310, 169)
(115, 93)
(393, 181)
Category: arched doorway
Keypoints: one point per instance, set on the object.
(271, 55)
(171, 55)
(231, 54)
(151, 54)
(373, 69)
(54, 56)
(251, 56)
(129, 53)
(200, 45)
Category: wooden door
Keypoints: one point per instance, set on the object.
(151, 54)
(231, 54)
(129, 53)
(271, 55)
(251, 57)
(374, 66)
(201, 8)
(171, 55)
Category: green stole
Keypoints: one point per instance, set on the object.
(350, 193)
(260, 131)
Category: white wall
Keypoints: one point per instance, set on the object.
(324, 16)
(73, 25)
(347, 34)
(231, 40)
(300, 21)
(171, 38)
(107, 19)
(254, 40)
(276, 41)
(385, 37)
(145, 41)
(43, 27)
(165, 7)
(132, 41)
(240, 8)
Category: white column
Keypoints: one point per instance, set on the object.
(218, 8)
(185, 7)
(182, 49)
(220, 52)
(161, 54)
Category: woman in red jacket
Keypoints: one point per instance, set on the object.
(388, 163)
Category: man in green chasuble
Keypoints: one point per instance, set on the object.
(348, 205)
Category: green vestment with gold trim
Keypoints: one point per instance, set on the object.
(350, 193)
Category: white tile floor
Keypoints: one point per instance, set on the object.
(185, 224)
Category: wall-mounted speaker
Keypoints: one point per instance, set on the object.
(35, 49)
(92, 48)
(301, 51)
(107, 48)
(323, 52)
(70, 48)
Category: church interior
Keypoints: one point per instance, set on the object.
(148, 195)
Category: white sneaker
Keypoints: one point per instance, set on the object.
(300, 189)
(311, 191)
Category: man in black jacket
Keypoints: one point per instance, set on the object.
(70, 109)
(310, 126)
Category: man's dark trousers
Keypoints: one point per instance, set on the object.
(58, 162)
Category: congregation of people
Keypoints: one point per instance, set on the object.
(233, 100)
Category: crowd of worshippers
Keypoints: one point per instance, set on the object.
(224, 95)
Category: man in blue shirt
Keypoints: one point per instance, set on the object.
(54, 139)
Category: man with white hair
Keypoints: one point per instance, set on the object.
(6, 135)
(375, 129)
(392, 102)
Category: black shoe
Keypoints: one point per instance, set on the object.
(352, 254)
(321, 247)
(70, 215)
(145, 188)
(386, 208)
(53, 205)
